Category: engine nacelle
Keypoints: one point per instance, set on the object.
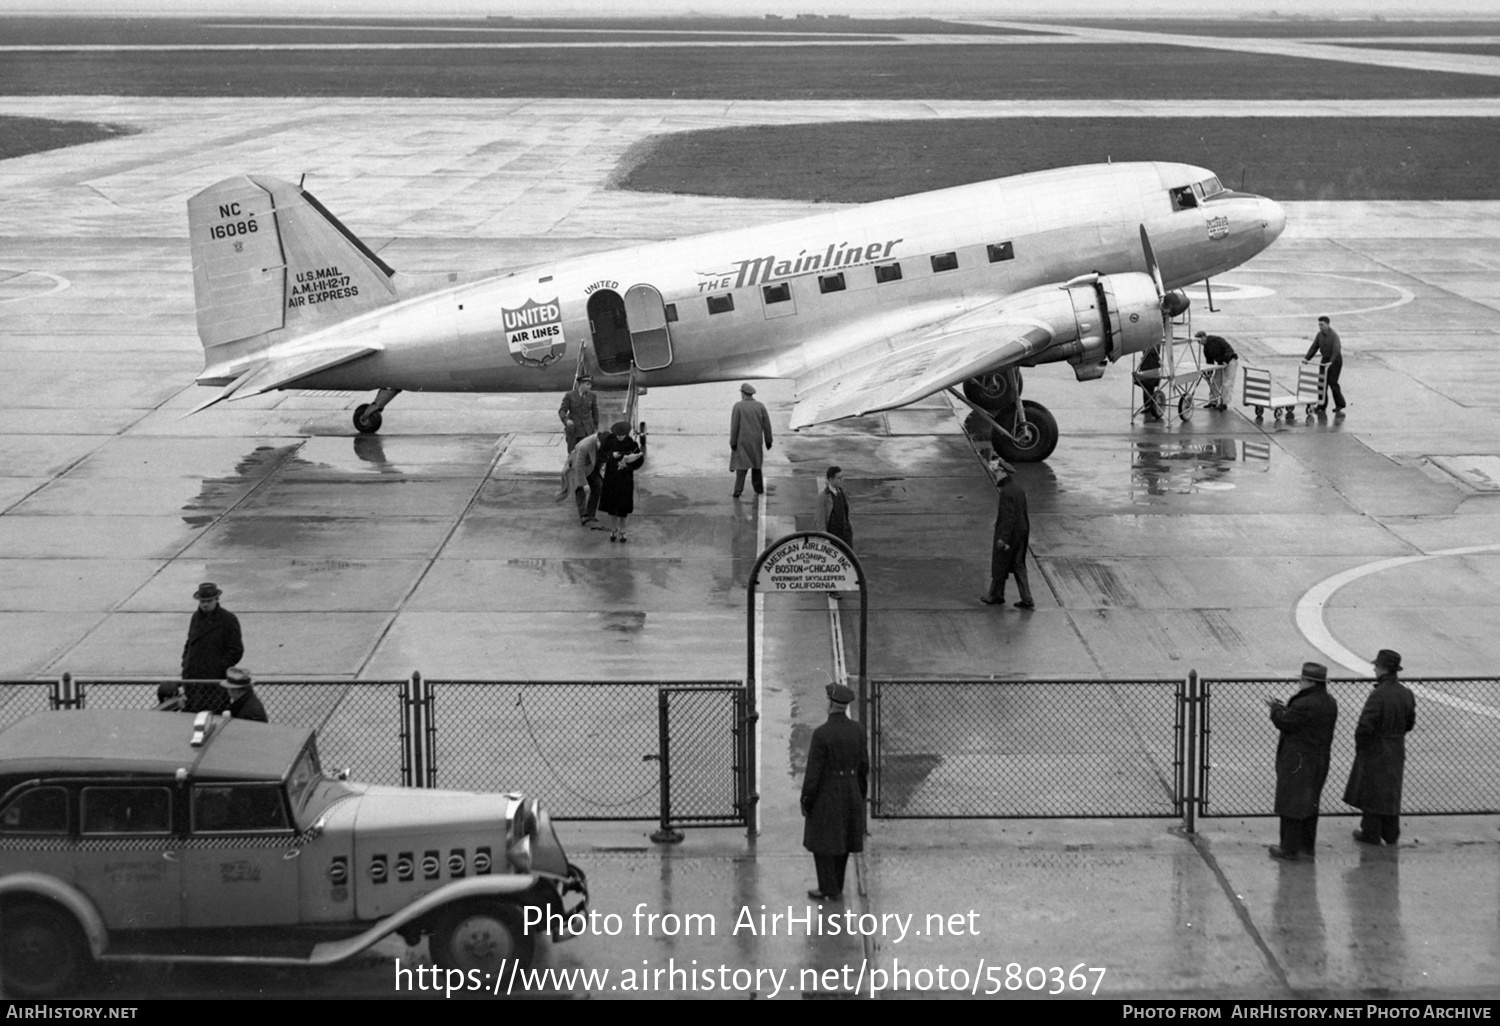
(1096, 319)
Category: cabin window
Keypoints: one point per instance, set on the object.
(887, 272)
(721, 304)
(1183, 198)
(831, 282)
(42, 810)
(944, 262)
(778, 293)
(999, 251)
(671, 311)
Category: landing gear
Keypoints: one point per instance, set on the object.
(367, 417)
(1032, 441)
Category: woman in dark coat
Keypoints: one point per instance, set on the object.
(1380, 753)
(1306, 724)
(620, 455)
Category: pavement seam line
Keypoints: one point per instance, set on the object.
(1236, 903)
(501, 449)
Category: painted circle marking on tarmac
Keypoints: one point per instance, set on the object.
(59, 283)
(1237, 290)
(1310, 622)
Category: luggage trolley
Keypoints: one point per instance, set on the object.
(1312, 391)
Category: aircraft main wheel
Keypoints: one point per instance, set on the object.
(366, 420)
(43, 949)
(488, 935)
(990, 392)
(1035, 440)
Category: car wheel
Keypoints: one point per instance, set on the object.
(43, 951)
(485, 935)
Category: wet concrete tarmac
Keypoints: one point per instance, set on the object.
(437, 546)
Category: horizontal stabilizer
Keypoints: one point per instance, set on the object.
(279, 373)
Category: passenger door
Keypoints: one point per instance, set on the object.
(240, 867)
(650, 340)
(127, 860)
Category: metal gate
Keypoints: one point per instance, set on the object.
(955, 749)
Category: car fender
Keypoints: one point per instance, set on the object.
(69, 897)
(499, 885)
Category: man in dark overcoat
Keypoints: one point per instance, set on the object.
(749, 438)
(213, 645)
(244, 703)
(1380, 753)
(1012, 538)
(833, 794)
(1306, 724)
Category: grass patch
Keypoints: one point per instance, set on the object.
(20, 136)
(1284, 158)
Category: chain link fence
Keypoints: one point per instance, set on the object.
(1450, 755)
(588, 749)
(1026, 749)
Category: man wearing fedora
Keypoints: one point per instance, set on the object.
(244, 703)
(1380, 753)
(1306, 723)
(749, 438)
(213, 646)
(833, 794)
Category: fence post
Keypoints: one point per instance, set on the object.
(67, 693)
(1190, 757)
(418, 734)
(667, 834)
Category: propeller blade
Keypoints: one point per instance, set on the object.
(1151, 266)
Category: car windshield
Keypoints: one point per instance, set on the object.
(305, 774)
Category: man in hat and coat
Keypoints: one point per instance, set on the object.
(1220, 355)
(585, 476)
(213, 646)
(579, 411)
(749, 438)
(1380, 753)
(1012, 538)
(833, 794)
(244, 704)
(1306, 724)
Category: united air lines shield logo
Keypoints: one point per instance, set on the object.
(1218, 228)
(534, 333)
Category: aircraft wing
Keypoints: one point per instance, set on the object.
(901, 369)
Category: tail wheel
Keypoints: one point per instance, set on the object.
(366, 420)
(992, 392)
(1034, 440)
(486, 935)
(43, 951)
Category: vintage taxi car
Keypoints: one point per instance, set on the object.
(132, 835)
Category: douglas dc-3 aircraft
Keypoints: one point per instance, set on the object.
(867, 308)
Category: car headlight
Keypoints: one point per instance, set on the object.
(520, 854)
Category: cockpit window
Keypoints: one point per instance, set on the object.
(1209, 187)
(1183, 198)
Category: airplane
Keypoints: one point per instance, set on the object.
(866, 308)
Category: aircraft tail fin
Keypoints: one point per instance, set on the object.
(270, 263)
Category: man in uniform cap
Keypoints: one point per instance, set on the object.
(1380, 753)
(213, 646)
(579, 411)
(1012, 538)
(244, 704)
(1306, 724)
(833, 794)
(749, 438)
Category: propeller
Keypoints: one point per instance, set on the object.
(1172, 303)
